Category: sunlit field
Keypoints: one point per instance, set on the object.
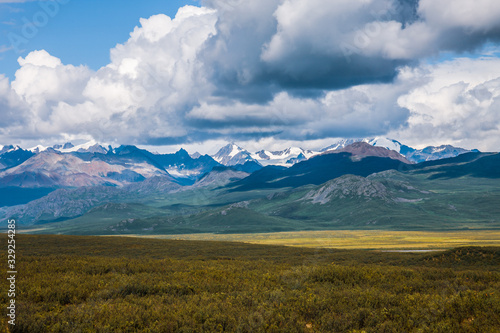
(357, 239)
(114, 284)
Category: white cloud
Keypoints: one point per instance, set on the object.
(12, 108)
(142, 93)
(454, 102)
(43, 79)
(245, 70)
(156, 71)
(474, 15)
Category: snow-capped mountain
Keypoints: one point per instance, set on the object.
(286, 157)
(340, 144)
(386, 143)
(38, 149)
(91, 164)
(232, 154)
(364, 149)
(436, 153)
(87, 147)
(7, 149)
(11, 156)
(77, 164)
(377, 142)
(414, 155)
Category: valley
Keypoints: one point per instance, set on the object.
(250, 166)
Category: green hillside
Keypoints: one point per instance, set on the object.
(459, 193)
(385, 201)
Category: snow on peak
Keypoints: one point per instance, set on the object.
(377, 141)
(286, 157)
(232, 154)
(384, 142)
(8, 149)
(235, 150)
(89, 146)
(38, 149)
(83, 146)
(341, 144)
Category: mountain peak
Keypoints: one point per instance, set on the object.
(286, 157)
(364, 149)
(125, 149)
(182, 152)
(195, 155)
(37, 149)
(6, 149)
(232, 154)
(377, 141)
(414, 155)
(88, 147)
(432, 153)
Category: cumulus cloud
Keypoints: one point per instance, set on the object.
(152, 80)
(478, 15)
(155, 77)
(43, 81)
(12, 107)
(454, 102)
(288, 69)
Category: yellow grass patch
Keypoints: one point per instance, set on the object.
(355, 239)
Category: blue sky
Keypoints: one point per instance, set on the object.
(82, 31)
(265, 74)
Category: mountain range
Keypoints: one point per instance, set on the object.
(232, 154)
(371, 192)
(57, 188)
(91, 164)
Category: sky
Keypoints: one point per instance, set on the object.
(265, 74)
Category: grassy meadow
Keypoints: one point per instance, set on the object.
(116, 284)
(356, 239)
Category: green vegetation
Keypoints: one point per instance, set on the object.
(111, 284)
(387, 201)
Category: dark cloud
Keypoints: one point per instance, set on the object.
(287, 69)
(265, 47)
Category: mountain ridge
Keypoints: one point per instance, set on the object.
(363, 149)
(232, 154)
(321, 192)
(128, 164)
